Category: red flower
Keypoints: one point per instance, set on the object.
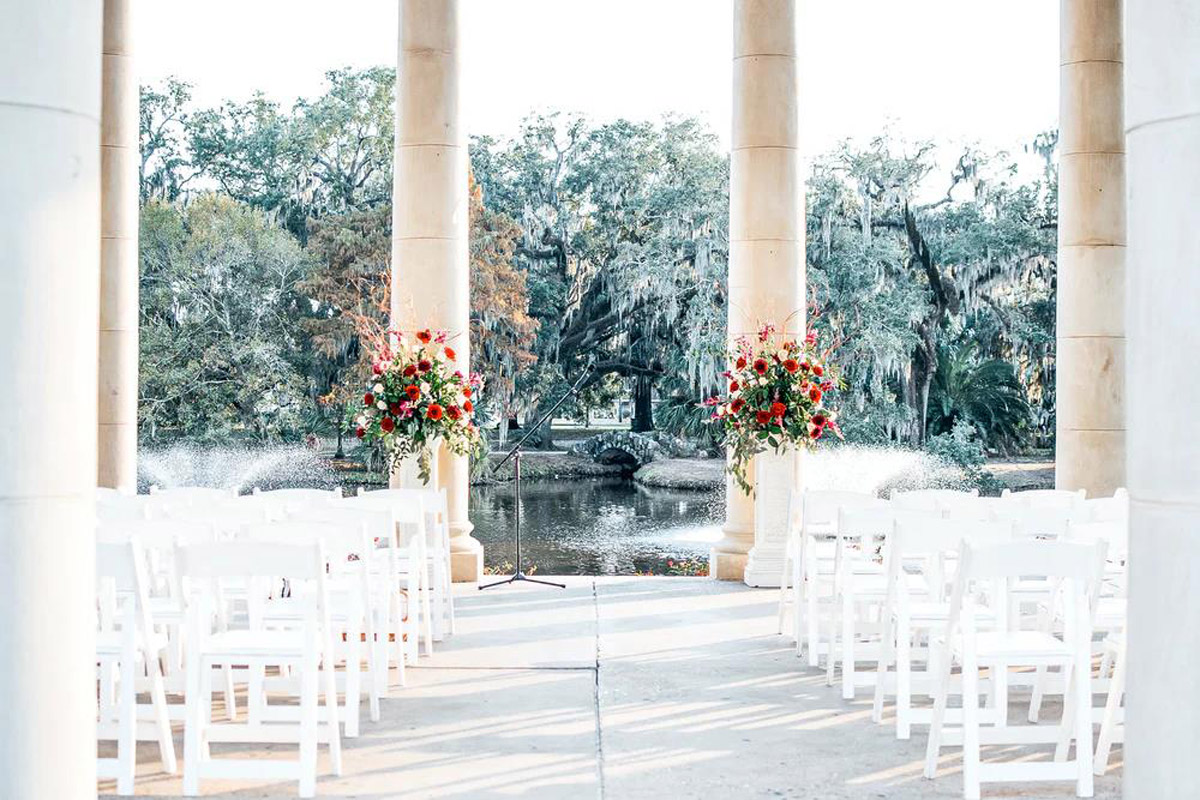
(466, 391)
(819, 420)
(360, 432)
(394, 408)
(450, 354)
(434, 412)
(468, 406)
(826, 386)
(778, 409)
(453, 413)
(423, 365)
(409, 371)
(791, 365)
(760, 366)
(741, 363)
(763, 417)
(737, 405)
(424, 337)
(804, 366)
(817, 370)
(815, 432)
(734, 386)
(413, 391)
(814, 394)
(377, 369)
(368, 399)
(387, 424)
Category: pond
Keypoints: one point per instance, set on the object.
(604, 526)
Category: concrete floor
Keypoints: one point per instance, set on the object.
(625, 688)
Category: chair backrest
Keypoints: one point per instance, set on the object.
(226, 519)
(121, 571)
(122, 507)
(1045, 498)
(1049, 522)
(933, 545)
(377, 523)
(930, 499)
(251, 559)
(820, 507)
(1115, 536)
(343, 542)
(285, 502)
(971, 508)
(193, 495)
(870, 524)
(1107, 509)
(408, 514)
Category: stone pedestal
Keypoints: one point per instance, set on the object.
(1162, 129)
(430, 267)
(777, 477)
(1090, 357)
(766, 213)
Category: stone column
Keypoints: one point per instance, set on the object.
(1090, 382)
(1162, 129)
(117, 441)
(430, 262)
(49, 227)
(766, 230)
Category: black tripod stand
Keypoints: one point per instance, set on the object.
(515, 455)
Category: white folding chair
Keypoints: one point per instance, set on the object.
(991, 569)
(437, 531)
(409, 557)
(1107, 509)
(921, 555)
(302, 647)
(1065, 499)
(930, 499)
(127, 645)
(193, 495)
(811, 553)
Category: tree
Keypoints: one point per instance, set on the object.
(984, 393)
(165, 169)
(220, 339)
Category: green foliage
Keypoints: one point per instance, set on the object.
(984, 393)
(220, 339)
(961, 446)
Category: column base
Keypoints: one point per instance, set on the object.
(763, 569)
(466, 559)
(726, 566)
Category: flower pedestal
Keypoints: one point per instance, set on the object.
(776, 476)
(407, 472)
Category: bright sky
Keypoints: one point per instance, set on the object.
(958, 71)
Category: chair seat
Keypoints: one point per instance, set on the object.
(109, 643)
(1016, 646)
(343, 607)
(254, 644)
(875, 584)
(165, 609)
(929, 611)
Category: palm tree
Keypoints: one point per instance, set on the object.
(985, 393)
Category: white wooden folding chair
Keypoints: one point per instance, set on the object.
(290, 503)
(193, 495)
(437, 531)
(127, 645)
(991, 569)
(921, 556)
(810, 552)
(407, 556)
(302, 646)
(930, 499)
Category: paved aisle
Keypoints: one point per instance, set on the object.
(622, 688)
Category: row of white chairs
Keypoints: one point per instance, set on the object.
(297, 581)
(942, 579)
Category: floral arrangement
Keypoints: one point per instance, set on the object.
(417, 397)
(778, 394)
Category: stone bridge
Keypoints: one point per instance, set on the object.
(633, 449)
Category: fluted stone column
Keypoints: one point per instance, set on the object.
(117, 442)
(430, 266)
(1090, 384)
(1162, 130)
(766, 229)
(49, 261)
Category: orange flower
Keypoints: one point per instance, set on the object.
(791, 365)
(413, 391)
(778, 409)
(424, 337)
(450, 354)
(434, 412)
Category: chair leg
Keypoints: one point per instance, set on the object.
(426, 612)
(158, 697)
(308, 727)
(126, 724)
(783, 585)
(848, 631)
(1116, 691)
(904, 680)
(331, 707)
(882, 666)
(835, 613)
(970, 711)
(1083, 722)
(1066, 726)
(230, 695)
(812, 620)
(353, 699)
(798, 604)
(941, 689)
(192, 733)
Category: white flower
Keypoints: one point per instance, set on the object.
(382, 406)
(379, 388)
(360, 420)
(424, 387)
(762, 381)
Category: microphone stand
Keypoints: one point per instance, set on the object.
(515, 455)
